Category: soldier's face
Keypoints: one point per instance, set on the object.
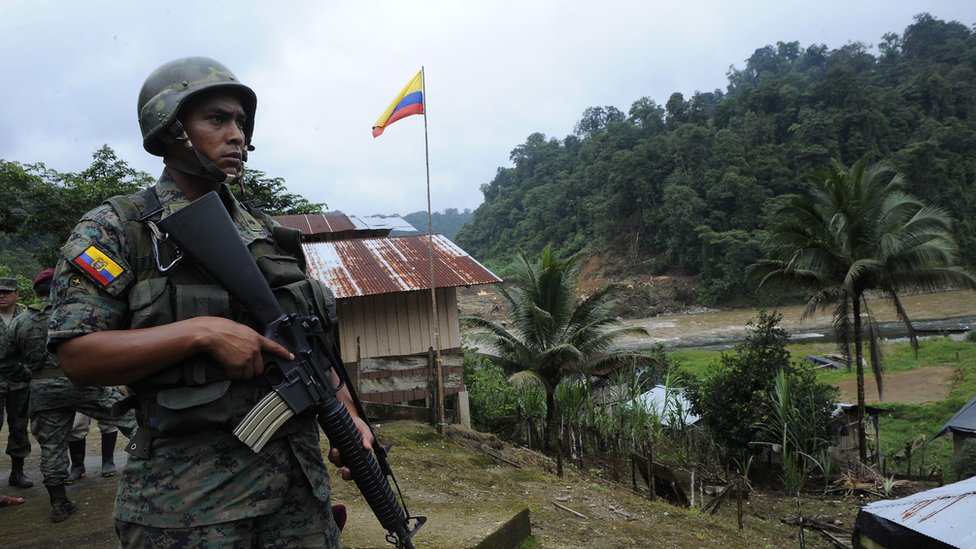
(215, 125)
(8, 299)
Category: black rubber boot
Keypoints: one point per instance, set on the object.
(76, 449)
(61, 506)
(17, 476)
(108, 453)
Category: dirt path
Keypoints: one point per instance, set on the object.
(29, 525)
(930, 384)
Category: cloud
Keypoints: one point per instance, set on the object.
(323, 71)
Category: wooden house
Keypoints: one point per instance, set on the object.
(847, 427)
(382, 286)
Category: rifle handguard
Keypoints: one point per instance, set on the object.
(342, 433)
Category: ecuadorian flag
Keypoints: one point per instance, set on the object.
(409, 101)
(100, 266)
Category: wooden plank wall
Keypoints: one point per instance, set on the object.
(396, 324)
(402, 379)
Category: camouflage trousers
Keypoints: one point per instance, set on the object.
(54, 402)
(14, 401)
(79, 431)
(302, 521)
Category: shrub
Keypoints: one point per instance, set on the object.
(491, 396)
(733, 400)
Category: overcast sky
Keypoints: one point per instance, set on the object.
(323, 71)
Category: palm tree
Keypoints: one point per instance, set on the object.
(552, 334)
(859, 231)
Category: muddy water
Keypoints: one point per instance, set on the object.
(722, 329)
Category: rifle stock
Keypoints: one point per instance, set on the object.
(205, 233)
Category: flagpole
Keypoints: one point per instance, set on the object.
(441, 423)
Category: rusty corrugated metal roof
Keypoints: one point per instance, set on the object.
(328, 223)
(944, 513)
(317, 223)
(374, 266)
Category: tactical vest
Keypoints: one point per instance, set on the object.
(195, 394)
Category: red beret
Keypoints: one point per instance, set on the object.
(44, 277)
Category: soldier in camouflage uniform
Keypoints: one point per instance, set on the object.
(127, 312)
(53, 399)
(14, 389)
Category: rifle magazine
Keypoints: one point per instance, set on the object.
(260, 424)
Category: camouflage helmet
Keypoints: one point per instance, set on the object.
(169, 86)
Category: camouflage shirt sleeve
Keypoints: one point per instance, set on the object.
(87, 295)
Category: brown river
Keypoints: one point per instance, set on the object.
(723, 328)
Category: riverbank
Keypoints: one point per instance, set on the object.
(700, 327)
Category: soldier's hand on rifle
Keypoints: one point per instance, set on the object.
(367, 435)
(237, 347)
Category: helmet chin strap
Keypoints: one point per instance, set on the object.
(182, 156)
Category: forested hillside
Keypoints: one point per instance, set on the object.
(446, 223)
(683, 188)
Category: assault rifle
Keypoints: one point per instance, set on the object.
(204, 231)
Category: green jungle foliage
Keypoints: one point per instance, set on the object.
(686, 187)
(270, 194)
(738, 400)
(493, 399)
(552, 336)
(39, 206)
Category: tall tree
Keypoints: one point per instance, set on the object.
(56, 201)
(553, 334)
(270, 194)
(17, 185)
(859, 231)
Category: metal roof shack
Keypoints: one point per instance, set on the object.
(962, 426)
(963, 422)
(317, 223)
(371, 266)
(337, 226)
(941, 517)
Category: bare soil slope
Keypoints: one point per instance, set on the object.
(466, 487)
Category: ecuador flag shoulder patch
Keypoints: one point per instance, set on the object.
(97, 265)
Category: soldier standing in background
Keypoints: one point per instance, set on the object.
(14, 389)
(53, 399)
(76, 447)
